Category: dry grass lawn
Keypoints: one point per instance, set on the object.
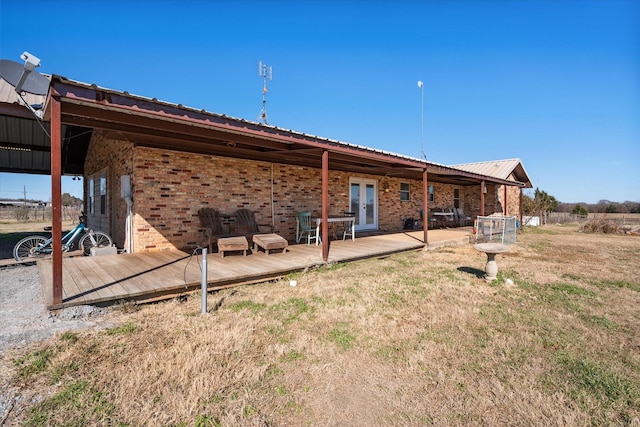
(411, 340)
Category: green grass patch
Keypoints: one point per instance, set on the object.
(127, 328)
(80, 396)
(586, 378)
(571, 276)
(342, 337)
(62, 371)
(69, 337)
(538, 230)
(604, 284)
(599, 321)
(390, 353)
(291, 310)
(571, 289)
(248, 305)
(206, 421)
(33, 363)
(292, 356)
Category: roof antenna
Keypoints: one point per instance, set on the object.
(266, 73)
(421, 86)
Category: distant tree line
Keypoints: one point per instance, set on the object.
(541, 203)
(603, 206)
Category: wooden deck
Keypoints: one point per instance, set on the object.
(146, 277)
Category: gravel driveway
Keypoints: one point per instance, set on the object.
(23, 315)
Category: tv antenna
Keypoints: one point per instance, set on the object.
(421, 86)
(267, 74)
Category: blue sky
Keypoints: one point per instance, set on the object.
(554, 83)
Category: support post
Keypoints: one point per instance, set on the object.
(56, 199)
(203, 284)
(425, 203)
(520, 212)
(482, 187)
(505, 199)
(325, 205)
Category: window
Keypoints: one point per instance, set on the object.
(103, 195)
(404, 191)
(431, 194)
(90, 190)
(456, 197)
(97, 194)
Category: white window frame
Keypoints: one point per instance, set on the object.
(406, 192)
(98, 193)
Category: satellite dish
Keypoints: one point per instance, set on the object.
(34, 82)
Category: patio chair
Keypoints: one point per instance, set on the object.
(211, 223)
(348, 230)
(306, 226)
(462, 217)
(246, 224)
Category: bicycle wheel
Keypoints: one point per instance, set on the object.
(26, 248)
(96, 239)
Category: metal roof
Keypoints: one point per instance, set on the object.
(502, 169)
(24, 139)
(150, 122)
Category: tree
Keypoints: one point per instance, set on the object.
(579, 210)
(69, 200)
(539, 205)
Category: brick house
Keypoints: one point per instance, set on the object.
(176, 159)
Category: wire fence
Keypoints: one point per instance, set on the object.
(36, 213)
(620, 219)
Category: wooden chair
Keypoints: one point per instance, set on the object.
(462, 217)
(211, 222)
(246, 224)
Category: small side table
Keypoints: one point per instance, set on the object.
(269, 242)
(233, 244)
(491, 249)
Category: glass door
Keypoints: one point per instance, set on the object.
(363, 196)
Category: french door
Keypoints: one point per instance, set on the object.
(363, 196)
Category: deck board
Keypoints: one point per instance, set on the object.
(156, 275)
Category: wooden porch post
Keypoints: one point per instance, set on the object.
(56, 198)
(325, 205)
(482, 187)
(505, 200)
(425, 203)
(520, 213)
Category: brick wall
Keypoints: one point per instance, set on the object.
(115, 157)
(169, 187)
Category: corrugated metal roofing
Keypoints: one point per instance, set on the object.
(253, 123)
(24, 131)
(24, 141)
(502, 169)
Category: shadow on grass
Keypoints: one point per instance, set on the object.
(470, 270)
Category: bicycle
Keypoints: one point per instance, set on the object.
(41, 247)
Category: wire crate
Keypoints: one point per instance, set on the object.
(495, 228)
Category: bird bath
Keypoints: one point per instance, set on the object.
(491, 249)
